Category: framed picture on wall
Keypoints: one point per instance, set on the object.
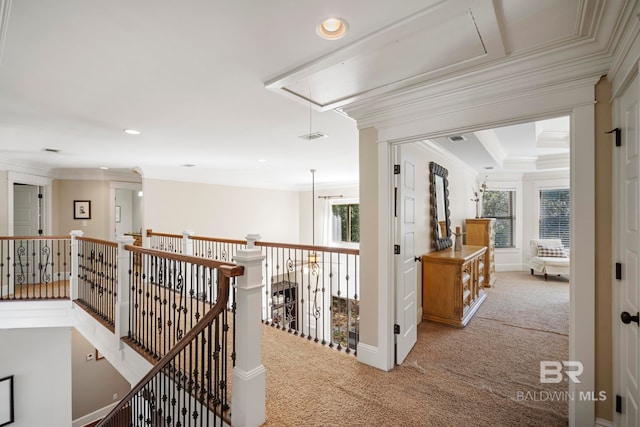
(82, 209)
(6, 400)
(117, 213)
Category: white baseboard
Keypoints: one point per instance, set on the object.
(370, 355)
(603, 423)
(94, 416)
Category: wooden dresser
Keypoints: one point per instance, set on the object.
(482, 231)
(453, 284)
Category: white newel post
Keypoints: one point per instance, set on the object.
(248, 399)
(187, 243)
(122, 299)
(146, 239)
(73, 280)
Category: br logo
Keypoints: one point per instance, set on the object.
(551, 371)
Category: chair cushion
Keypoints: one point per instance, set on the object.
(533, 244)
(557, 251)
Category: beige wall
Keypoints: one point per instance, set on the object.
(603, 267)
(220, 211)
(94, 381)
(369, 194)
(4, 203)
(40, 361)
(64, 194)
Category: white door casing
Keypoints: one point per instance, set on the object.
(405, 263)
(627, 192)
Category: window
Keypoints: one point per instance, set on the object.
(346, 222)
(498, 204)
(555, 215)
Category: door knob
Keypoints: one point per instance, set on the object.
(627, 318)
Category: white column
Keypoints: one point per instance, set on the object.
(187, 243)
(121, 319)
(248, 399)
(73, 280)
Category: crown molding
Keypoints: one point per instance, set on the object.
(490, 142)
(510, 82)
(553, 161)
(26, 168)
(625, 51)
(96, 175)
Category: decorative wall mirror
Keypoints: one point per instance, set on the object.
(440, 216)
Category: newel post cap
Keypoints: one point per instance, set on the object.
(252, 239)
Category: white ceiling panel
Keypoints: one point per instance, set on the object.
(445, 37)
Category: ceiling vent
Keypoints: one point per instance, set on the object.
(51, 150)
(313, 136)
(457, 138)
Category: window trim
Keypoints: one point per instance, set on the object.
(513, 217)
(329, 222)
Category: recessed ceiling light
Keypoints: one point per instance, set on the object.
(132, 132)
(51, 150)
(332, 28)
(262, 160)
(104, 168)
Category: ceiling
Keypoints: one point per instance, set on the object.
(222, 90)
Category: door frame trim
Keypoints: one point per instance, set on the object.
(41, 181)
(582, 184)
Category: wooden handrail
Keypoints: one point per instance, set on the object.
(98, 241)
(150, 233)
(226, 272)
(215, 239)
(35, 237)
(347, 251)
(310, 248)
(234, 270)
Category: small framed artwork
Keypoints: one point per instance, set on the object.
(117, 213)
(99, 355)
(6, 401)
(82, 209)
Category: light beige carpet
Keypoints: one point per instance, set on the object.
(487, 374)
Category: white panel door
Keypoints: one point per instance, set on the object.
(26, 213)
(628, 196)
(405, 263)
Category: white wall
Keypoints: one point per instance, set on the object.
(221, 211)
(40, 360)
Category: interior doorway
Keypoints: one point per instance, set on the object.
(126, 202)
(520, 191)
(27, 210)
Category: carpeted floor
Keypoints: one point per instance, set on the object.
(487, 374)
